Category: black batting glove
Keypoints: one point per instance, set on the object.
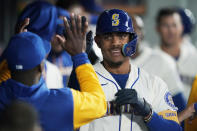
(89, 41)
(129, 96)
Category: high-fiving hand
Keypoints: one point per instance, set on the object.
(75, 41)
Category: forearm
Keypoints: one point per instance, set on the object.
(90, 103)
(86, 75)
(188, 112)
(183, 115)
(158, 123)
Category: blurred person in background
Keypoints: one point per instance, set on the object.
(170, 30)
(39, 17)
(58, 55)
(90, 9)
(19, 116)
(159, 64)
(61, 58)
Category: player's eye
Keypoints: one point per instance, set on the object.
(123, 35)
(107, 36)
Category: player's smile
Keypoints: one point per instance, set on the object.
(116, 52)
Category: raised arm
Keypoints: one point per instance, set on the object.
(89, 102)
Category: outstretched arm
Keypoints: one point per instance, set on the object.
(89, 102)
(189, 112)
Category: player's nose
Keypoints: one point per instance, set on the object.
(115, 40)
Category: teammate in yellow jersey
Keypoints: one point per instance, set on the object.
(59, 109)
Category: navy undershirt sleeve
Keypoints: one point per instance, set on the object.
(157, 123)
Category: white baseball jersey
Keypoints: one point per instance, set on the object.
(187, 43)
(160, 64)
(187, 67)
(150, 87)
(53, 76)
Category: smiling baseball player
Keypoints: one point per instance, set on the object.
(143, 99)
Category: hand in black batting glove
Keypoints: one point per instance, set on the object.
(129, 96)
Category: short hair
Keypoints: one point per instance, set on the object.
(165, 12)
(18, 116)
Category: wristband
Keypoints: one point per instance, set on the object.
(149, 118)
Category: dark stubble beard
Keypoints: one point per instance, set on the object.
(112, 64)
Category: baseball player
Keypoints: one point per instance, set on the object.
(159, 64)
(170, 30)
(31, 19)
(151, 106)
(59, 109)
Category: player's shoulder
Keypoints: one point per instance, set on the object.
(145, 74)
(163, 57)
(188, 53)
(152, 80)
(98, 67)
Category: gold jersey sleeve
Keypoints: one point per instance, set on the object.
(169, 115)
(90, 102)
(192, 99)
(4, 71)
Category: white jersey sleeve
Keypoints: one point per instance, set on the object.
(162, 99)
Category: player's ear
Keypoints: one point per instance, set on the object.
(97, 40)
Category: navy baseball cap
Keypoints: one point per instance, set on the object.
(43, 16)
(114, 20)
(25, 51)
(188, 20)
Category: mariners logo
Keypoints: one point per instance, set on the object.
(169, 101)
(115, 20)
